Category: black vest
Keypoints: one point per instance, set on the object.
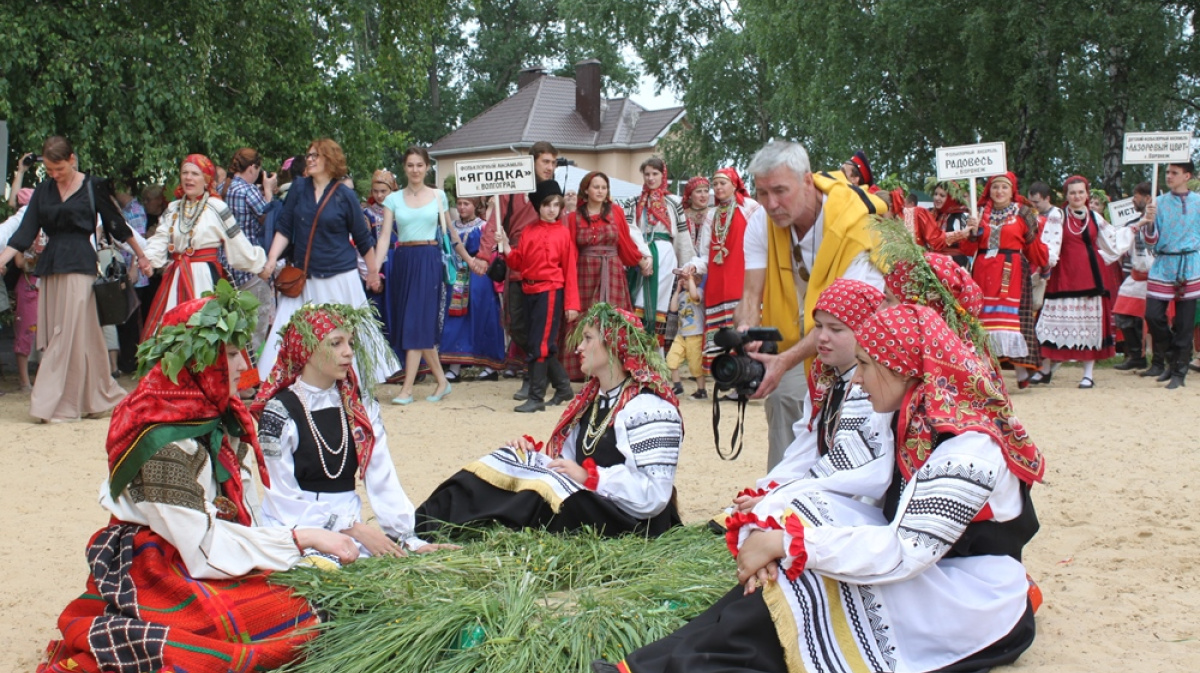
(310, 475)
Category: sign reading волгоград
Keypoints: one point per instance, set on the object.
(498, 175)
(1157, 148)
(971, 161)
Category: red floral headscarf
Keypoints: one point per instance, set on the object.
(619, 328)
(956, 279)
(295, 352)
(739, 188)
(852, 302)
(653, 202)
(199, 406)
(206, 167)
(691, 186)
(950, 207)
(985, 199)
(955, 391)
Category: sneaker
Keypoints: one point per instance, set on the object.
(677, 389)
(700, 394)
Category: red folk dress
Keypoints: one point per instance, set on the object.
(726, 270)
(604, 248)
(1076, 320)
(1004, 253)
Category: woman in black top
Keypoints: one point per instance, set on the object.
(73, 379)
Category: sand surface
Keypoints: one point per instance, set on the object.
(1117, 556)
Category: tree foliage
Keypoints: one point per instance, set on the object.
(136, 85)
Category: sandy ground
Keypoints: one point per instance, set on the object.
(1116, 556)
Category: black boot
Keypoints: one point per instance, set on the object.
(537, 390)
(560, 381)
(1134, 357)
(1178, 372)
(1165, 376)
(523, 394)
(1157, 368)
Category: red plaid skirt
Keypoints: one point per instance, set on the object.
(143, 612)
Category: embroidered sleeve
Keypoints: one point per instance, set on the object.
(946, 496)
(270, 428)
(649, 431)
(170, 478)
(1052, 235)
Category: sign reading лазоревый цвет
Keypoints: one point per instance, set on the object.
(498, 175)
(1157, 148)
(971, 161)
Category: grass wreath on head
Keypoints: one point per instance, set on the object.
(228, 320)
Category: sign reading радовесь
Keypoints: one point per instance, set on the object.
(1157, 148)
(499, 175)
(971, 161)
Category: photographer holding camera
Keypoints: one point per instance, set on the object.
(811, 230)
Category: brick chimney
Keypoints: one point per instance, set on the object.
(587, 92)
(530, 75)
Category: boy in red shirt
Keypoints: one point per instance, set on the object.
(545, 258)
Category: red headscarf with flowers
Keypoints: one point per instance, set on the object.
(955, 390)
(294, 353)
(955, 277)
(618, 328)
(206, 167)
(653, 202)
(852, 302)
(739, 188)
(691, 186)
(198, 406)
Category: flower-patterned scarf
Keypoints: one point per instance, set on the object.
(955, 391)
(852, 302)
(653, 202)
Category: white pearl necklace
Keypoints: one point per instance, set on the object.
(322, 445)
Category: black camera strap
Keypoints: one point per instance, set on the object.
(739, 436)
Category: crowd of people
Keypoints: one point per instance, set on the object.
(898, 487)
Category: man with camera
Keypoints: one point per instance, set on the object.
(811, 230)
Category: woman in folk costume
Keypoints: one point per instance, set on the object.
(720, 254)
(951, 217)
(1005, 243)
(605, 247)
(660, 220)
(696, 209)
(919, 222)
(610, 462)
(472, 334)
(317, 432)
(189, 238)
(1076, 319)
(933, 580)
(841, 444)
(177, 577)
(383, 183)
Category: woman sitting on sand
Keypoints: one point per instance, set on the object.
(176, 578)
(317, 431)
(933, 581)
(610, 462)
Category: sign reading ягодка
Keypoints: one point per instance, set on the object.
(498, 175)
(971, 161)
(1157, 148)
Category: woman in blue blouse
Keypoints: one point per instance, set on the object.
(415, 289)
(333, 265)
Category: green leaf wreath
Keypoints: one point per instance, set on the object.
(229, 320)
(355, 321)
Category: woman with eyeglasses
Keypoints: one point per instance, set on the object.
(322, 214)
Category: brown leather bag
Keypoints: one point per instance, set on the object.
(291, 279)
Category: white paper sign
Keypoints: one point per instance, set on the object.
(1157, 148)
(1120, 212)
(499, 175)
(971, 161)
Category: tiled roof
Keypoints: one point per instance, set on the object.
(545, 110)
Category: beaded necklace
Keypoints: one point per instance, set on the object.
(721, 223)
(1081, 219)
(322, 445)
(186, 216)
(593, 432)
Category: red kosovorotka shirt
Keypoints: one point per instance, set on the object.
(545, 258)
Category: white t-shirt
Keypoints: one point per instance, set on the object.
(755, 249)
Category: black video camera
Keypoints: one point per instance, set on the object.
(31, 159)
(733, 369)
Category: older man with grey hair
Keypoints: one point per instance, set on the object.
(811, 230)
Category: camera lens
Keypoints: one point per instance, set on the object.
(737, 372)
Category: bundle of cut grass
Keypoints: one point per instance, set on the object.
(512, 601)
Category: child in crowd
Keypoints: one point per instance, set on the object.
(545, 258)
(688, 302)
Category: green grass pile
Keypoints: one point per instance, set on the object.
(512, 601)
